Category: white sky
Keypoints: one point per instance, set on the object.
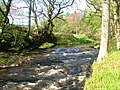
(80, 4)
(77, 6)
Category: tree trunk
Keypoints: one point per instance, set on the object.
(49, 25)
(29, 20)
(117, 22)
(34, 9)
(105, 30)
(50, 21)
(36, 23)
(5, 14)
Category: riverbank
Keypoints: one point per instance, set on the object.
(8, 60)
(106, 74)
(11, 59)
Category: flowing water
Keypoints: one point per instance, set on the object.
(54, 69)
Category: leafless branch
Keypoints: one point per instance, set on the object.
(4, 3)
(67, 5)
(2, 11)
(62, 7)
(89, 2)
(60, 18)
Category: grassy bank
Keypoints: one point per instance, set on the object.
(67, 39)
(106, 74)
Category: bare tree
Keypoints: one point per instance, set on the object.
(34, 10)
(53, 9)
(29, 21)
(50, 9)
(105, 30)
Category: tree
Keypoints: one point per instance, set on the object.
(105, 30)
(93, 15)
(73, 21)
(117, 21)
(5, 13)
(1, 19)
(51, 10)
(34, 11)
(29, 20)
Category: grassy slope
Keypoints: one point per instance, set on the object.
(106, 74)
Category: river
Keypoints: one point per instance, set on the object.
(58, 68)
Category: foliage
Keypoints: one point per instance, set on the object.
(13, 37)
(66, 39)
(12, 27)
(19, 39)
(106, 75)
(1, 15)
(63, 42)
(82, 40)
(46, 45)
(97, 44)
(6, 60)
(61, 26)
(19, 34)
(75, 23)
(1, 19)
(92, 25)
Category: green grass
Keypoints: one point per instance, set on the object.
(106, 74)
(46, 45)
(81, 40)
(74, 40)
(5, 59)
(63, 42)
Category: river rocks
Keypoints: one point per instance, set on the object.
(56, 69)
